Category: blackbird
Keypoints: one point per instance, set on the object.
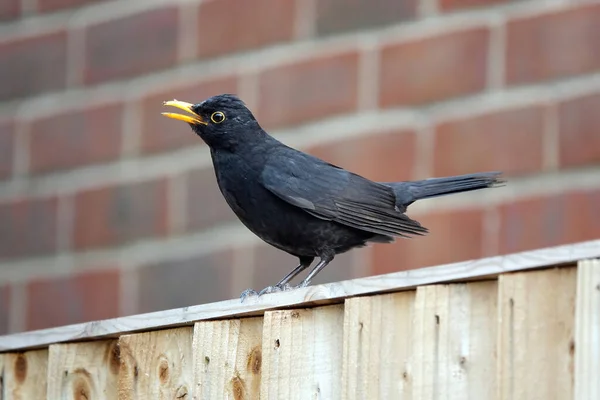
(299, 203)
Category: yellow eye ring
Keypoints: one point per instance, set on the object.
(217, 117)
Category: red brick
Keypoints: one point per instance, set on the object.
(32, 65)
(118, 214)
(160, 133)
(510, 141)
(540, 222)
(271, 264)
(452, 5)
(335, 16)
(453, 236)
(132, 45)
(198, 280)
(386, 156)
(76, 138)
(85, 296)
(4, 309)
(206, 206)
(221, 24)
(7, 140)
(28, 227)
(10, 9)
(54, 5)
(434, 68)
(308, 89)
(554, 45)
(580, 131)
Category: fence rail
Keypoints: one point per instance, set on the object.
(523, 326)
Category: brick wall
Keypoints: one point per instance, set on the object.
(107, 208)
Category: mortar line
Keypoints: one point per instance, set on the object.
(305, 21)
(368, 75)
(177, 201)
(128, 291)
(188, 32)
(65, 223)
(21, 146)
(75, 56)
(491, 232)
(551, 138)
(17, 313)
(427, 8)
(423, 164)
(497, 54)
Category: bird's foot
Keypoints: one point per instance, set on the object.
(274, 289)
(248, 293)
(301, 285)
(269, 289)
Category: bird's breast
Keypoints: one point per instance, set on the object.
(239, 183)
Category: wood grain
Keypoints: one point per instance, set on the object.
(587, 331)
(333, 293)
(302, 354)
(378, 347)
(228, 359)
(25, 375)
(536, 338)
(1, 376)
(454, 331)
(156, 365)
(84, 370)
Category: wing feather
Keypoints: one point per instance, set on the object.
(331, 193)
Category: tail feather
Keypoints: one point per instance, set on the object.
(409, 192)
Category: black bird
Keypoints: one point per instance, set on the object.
(301, 204)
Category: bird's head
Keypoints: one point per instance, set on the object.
(222, 121)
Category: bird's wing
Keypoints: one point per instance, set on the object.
(331, 193)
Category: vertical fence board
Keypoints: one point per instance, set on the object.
(1, 376)
(83, 370)
(25, 375)
(535, 341)
(377, 347)
(227, 359)
(302, 354)
(587, 331)
(156, 365)
(455, 341)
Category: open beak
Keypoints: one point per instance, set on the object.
(182, 105)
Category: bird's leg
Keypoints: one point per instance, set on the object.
(283, 283)
(325, 259)
(304, 263)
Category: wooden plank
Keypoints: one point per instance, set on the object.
(84, 370)
(156, 365)
(455, 341)
(228, 359)
(321, 294)
(302, 354)
(1, 376)
(587, 331)
(377, 347)
(535, 347)
(25, 375)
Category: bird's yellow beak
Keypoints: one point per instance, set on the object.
(182, 105)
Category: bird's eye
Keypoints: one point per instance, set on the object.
(217, 117)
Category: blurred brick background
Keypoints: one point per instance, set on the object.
(107, 208)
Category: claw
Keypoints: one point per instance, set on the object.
(248, 293)
(269, 289)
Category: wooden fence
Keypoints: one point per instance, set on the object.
(524, 326)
